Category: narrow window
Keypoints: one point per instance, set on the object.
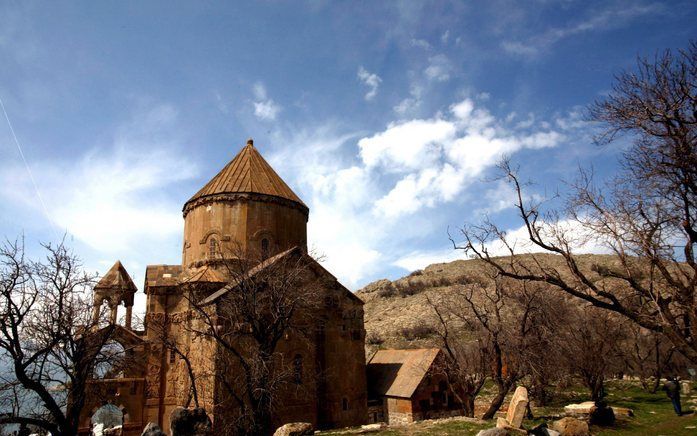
(212, 248)
(172, 356)
(344, 404)
(134, 388)
(298, 369)
(264, 249)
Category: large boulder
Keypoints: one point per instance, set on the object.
(152, 429)
(295, 429)
(571, 427)
(190, 422)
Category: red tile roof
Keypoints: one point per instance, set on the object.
(397, 373)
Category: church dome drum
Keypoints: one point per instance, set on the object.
(245, 210)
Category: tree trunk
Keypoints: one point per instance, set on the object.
(468, 405)
(496, 403)
(597, 389)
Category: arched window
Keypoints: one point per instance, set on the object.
(264, 248)
(212, 248)
(298, 369)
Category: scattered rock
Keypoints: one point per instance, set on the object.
(623, 411)
(372, 428)
(686, 387)
(571, 427)
(190, 422)
(503, 424)
(579, 409)
(542, 430)
(152, 429)
(494, 432)
(294, 429)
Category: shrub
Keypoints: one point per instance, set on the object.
(374, 338)
(419, 331)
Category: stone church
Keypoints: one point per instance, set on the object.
(246, 210)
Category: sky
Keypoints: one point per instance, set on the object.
(386, 118)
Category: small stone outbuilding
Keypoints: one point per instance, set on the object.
(409, 385)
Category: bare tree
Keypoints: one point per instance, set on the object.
(249, 322)
(48, 340)
(592, 347)
(646, 216)
(465, 367)
(502, 315)
(649, 356)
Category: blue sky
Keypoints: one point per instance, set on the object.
(385, 117)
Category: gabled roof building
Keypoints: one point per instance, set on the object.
(410, 385)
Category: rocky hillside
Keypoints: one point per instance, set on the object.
(397, 314)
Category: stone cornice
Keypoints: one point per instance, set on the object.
(243, 197)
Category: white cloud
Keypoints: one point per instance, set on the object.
(578, 236)
(420, 43)
(439, 68)
(437, 157)
(410, 103)
(264, 107)
(445, 36)
(368, 194)
(421, 259)
(616, 15)
(371, 80)
(110, 197)
(405, 145)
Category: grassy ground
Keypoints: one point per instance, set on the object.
(653, 415)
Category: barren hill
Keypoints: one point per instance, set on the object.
(397, 314)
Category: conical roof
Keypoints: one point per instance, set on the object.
(116, 278)
(248, 172)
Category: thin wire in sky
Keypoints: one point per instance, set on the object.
(26, 166)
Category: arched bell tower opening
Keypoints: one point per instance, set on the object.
(114, 289)
(246, 210)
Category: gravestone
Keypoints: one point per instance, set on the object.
(516, 411)
(518, 407)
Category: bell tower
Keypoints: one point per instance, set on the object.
(245, 210)
(116, 287)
